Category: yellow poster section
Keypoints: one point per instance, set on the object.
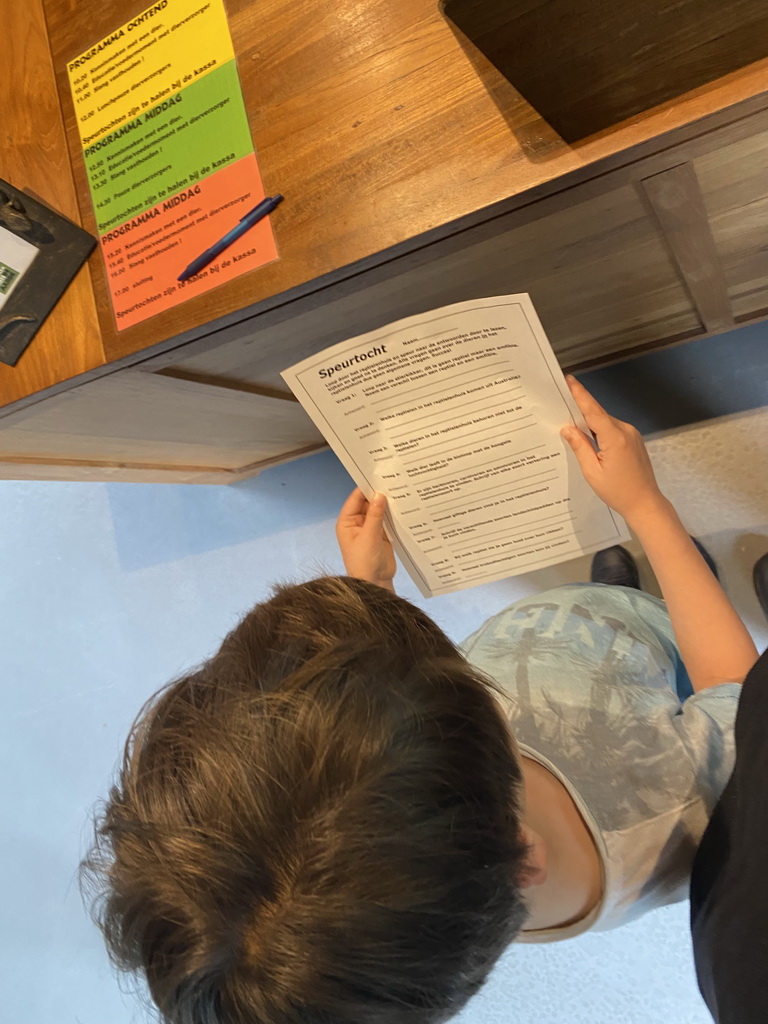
(151, 56)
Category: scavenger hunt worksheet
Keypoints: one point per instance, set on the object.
(455, 415)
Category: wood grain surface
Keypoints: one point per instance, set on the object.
(734, 186)
(598, 268)
(381, 125)
(35, 159)
(149, 419)
(52, 468)
(676, 204)
(597, 271)
(613, 60)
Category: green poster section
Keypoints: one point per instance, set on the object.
(170, 147)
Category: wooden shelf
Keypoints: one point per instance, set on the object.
(413, 175)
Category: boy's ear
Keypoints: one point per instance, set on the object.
(535, 872)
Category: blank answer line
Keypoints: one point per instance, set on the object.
(427, 417)
(473, 472)
(504, 533)
(547, 518)
(456, 390)
(482, 430)
(544, 520)
(516, 430)
(458, 447)
(478, 576)
(438, 423)
(495, 487)
(402, 394)
(511, 558)
(512, 554)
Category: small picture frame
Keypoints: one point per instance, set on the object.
(40, 253)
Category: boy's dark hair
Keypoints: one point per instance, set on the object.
(319, 826)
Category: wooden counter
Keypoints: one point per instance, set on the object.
(413, 175)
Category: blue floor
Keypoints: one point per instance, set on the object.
(109, 590)
(688, 383)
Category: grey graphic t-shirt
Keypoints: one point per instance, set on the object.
(592, 677)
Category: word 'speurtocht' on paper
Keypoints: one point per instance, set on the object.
(455, 415)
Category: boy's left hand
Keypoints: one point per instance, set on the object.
(365, 548)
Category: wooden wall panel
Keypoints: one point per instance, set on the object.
(734, 184)
(598, 272)
(104, 472)
(380, 125)
(149, 420)
(676, 206)
(30, 468)
(35, 158)
(613, 60)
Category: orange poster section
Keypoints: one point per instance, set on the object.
(145, 255)
(168, 153)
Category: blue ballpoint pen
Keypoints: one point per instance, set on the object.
(265, 207)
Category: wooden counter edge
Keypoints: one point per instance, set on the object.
(311, 294)
(36, 159)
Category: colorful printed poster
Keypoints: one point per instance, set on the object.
(169, 156)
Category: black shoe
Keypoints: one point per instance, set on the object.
(760, 579)
(616, 567)
(707, 558)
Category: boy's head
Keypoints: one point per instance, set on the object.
(319, 826)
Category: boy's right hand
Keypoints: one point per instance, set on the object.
(620, 473)
(713, 641)
(366, 549)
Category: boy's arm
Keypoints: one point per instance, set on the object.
(714, 643)
(365, 547)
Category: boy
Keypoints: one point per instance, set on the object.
(339, 818)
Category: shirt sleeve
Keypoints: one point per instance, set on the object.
(705, 724)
